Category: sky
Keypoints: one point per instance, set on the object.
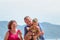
(44, 10)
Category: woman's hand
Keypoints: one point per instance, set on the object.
(20, 34)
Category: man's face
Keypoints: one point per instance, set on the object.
(28, 21)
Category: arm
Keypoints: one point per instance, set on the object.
(6, 36)
(42, 32)
(25, 32)
(20, 34)
(38, 31)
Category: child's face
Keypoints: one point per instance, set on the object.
(35, 23)
(13, 26)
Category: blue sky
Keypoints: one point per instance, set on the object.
(44, 10)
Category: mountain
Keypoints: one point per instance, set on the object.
(3, 28)
(51, 30)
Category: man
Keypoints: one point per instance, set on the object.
(28, 21)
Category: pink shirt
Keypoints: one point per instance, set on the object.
(13, 36)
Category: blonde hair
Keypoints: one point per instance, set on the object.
(35, 20)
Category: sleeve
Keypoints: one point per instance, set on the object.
(19, 32)
(40, 26)
(25, 30)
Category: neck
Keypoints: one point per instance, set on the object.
(13, 31)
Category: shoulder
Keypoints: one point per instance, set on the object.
(39, 24)
(25, 27)
(7, 33)
(19, 31)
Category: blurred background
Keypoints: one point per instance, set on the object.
(47, 12)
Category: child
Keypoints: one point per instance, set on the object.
(12, 33)
(34, 29)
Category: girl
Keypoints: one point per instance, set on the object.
(13, 33)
